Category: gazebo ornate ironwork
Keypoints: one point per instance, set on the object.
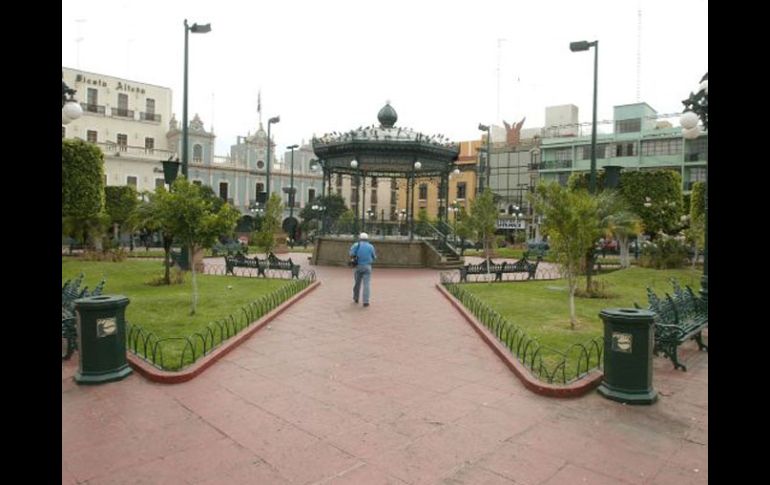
(387, 151)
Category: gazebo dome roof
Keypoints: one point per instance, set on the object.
(387, 116)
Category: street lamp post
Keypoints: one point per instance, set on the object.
(484, 169)
(274, 119)
(195, 29)
(584, 46)
(416, 166)
(697, 108)
(70, 109)
(291, 181)
(322, 210)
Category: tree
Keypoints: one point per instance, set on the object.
(483, 220)
(334, 205)
(656, 197)
(696, 233)
(571, 223)
(271, 224)
(149, 216)
(464, 228)
(192, 219)
(616, 220)
(82, 190)
(120, 203)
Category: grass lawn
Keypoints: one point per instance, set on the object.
(165, 310)
(541, 308)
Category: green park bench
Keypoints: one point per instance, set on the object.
(677, 319)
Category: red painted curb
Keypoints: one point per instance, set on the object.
(574, 389)
(154, 374)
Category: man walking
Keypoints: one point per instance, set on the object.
(366, 255)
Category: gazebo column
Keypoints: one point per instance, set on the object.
(363, 201)
(410, 209)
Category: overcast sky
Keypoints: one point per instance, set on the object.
(330, 65)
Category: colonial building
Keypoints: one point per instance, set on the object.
(133, 124)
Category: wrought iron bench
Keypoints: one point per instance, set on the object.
(241, 261)
(677, 319)
(489, 266)
(282, 264)
(70, 292)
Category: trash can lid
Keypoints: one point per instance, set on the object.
(101, 301)
(629, 314)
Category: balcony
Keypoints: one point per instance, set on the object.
(695, 157)
(149, 117)
(121, 150)
(555, 164)
(93, 108)
(123, 113)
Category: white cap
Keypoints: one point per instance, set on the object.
(363, 235)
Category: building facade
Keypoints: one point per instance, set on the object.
(636, 139)
(133, 124)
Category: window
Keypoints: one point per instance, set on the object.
(122, 142)
(160, 183)
(460, 190)
(697, 150)
(149, 145)
(223, 190)
(123, 106)
(150, 106)
(310, 196)
(625, 149)
(697, 174)
(260, 164)
(92, 98)
(198, 183)
(131, 180)
(260, 188)
(339, 180)
(198, 154)
(672, 146)
(423, 193)
(628, 126)
(91, 136)
(601, 151)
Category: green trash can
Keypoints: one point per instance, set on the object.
(101, 339)
(628, 344)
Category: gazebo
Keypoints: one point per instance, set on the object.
(387, 151)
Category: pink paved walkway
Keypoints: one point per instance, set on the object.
(401, 392)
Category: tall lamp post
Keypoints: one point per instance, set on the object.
(697, 108)
(584, 46)
(70, 109)
(274, 119)
(484, 169)
(291, 181)
(195, 29)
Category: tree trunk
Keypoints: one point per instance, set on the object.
(589, 270)
(572, 317)
(624, 260)
(167, 259)
(194, 280)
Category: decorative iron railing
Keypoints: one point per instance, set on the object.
(546, 364)
(176, 353)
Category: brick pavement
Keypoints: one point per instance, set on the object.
(402, 392)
